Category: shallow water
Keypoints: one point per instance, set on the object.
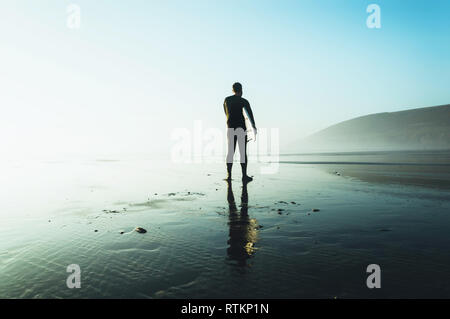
(205, 240)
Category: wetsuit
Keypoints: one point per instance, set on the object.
(234, 106)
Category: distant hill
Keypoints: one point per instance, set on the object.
(418, 129)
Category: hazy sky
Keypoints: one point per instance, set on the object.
(137, 69)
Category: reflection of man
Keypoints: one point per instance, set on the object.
(243, 230)
(234, 106)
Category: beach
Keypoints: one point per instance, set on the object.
(308, 231)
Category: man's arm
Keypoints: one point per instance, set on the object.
(225, 108)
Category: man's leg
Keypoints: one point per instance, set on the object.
(242, 140)
(243, 149)
(232, 140)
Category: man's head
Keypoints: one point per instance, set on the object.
(237, 88)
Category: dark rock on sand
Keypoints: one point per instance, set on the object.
(111, 211)
(140, 230)
(316, 210)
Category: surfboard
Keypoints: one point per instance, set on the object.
(250, 133)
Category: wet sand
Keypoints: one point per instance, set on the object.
(206, 239)
(430, 169)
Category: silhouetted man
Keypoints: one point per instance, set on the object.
(234, 106)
